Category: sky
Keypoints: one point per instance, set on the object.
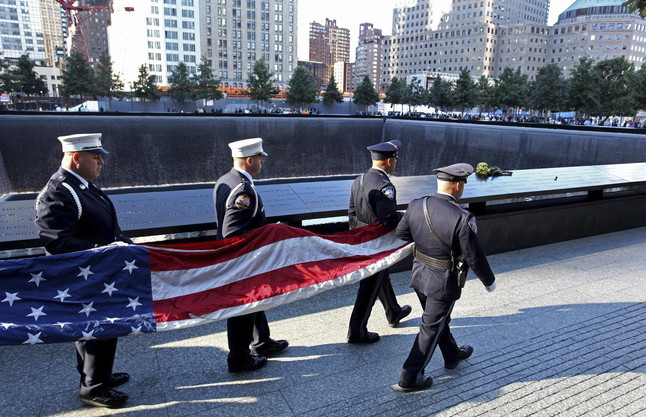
(351, 13)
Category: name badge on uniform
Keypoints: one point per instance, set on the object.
(242, 202)
(389, 191)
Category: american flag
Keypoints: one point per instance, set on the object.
(123, 290)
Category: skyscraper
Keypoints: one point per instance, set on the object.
(368, 55)
(21, 26)
(329, 44)
(237, 33)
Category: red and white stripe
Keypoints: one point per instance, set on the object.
(277, 264)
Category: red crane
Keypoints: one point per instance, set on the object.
(76, 15)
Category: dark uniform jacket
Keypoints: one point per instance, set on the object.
(456, 227)
(377, 201)
(72, 217)
(238, 207)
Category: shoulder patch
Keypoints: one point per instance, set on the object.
(242, 202)
(473, 226)
(389, 191)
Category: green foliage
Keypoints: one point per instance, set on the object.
(77, 77)
(614, 76)
(549, 90)
(582, 93)
(441, 94)
(144, 86)
(396, 92)
(636, 6)
(6, 80)
(302, 88)
(639, 87)
(261, 83)
(206, 85)
(415, 94)
(103, 76)
(365, 94)
(511, 89)
(465, 93)
(25, 79)
(484, 92)
(181, 84)
(332, 93)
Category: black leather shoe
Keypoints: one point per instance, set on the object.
(105, 398)
(422, 384)
(465, 353)
(405, 312)
(118, 378)
(250, 364)
(370, 337)
(270, 348)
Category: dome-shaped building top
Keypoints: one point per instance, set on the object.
(593, 7)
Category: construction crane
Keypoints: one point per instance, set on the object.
(77, 14)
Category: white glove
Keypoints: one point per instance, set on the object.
(118, 243)
(491, 288)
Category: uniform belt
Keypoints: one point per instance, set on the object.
(428, 260)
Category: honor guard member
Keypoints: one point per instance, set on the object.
(373, 198)
(72, 214)
(239, 209)
(446, 245)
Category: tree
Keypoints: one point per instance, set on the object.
(484, 92)
(107, 83)
(639, 87)
(582, 92)
(465, 93)
(396, 92)
(144, 86)
(302, 88)
(77, 77)
(636, 6)
(181, 84)
(441, 95)
(415, 93)
(549, 90)
(261, 83)
(206, 86)
(365, 94)
(5, 77)
(511, 89)
(332, 93)
(25, 79)
(614, 87)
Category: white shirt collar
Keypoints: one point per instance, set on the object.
(450, 195)
(83, 180)
(245, 173)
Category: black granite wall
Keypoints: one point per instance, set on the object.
(158, 149)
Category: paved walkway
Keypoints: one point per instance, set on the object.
(562, 335)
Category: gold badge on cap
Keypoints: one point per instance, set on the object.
(242, 202)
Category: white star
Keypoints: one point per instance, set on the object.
(87, 336)
(109, 289)
(85, 272)
(11, 297)
(87, 309)
(7, 325)
(36, 278)
(130, 266)
(62, 324)
(36, 312)
(135, 330)
(112, 319)
(33, 339)
(63, 295)
(134, 303)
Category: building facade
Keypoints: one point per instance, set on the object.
(237, 33)
(329, 44)
(368, 55)
(22, 30)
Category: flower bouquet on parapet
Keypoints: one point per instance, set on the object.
(484, 170)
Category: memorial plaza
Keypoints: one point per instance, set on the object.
(562, 335)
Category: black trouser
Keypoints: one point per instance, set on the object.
(94, 360)
(245, 332)
(433, 331)
(370, 288)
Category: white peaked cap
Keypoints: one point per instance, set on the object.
(247, 147)
(82, 142)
